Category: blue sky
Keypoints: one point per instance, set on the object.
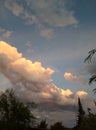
(58, 34)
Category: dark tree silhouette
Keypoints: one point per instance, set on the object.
(89, 121)
(89, 60)
(13, 112)
(80, 115)
(90, 55)
(43, 124)
(57, 126)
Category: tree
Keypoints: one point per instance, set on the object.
(81, 113)
(89, 121)
(43, 124)
(57, 126)
(14, 112)
(89, 60)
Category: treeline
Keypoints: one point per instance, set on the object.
(16, 115)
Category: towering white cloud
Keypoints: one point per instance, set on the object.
(31, 80)
(19, 68)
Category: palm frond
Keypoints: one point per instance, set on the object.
(89, 57)
(94, 90)
(93, 78)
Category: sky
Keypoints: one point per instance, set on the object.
(43, 44)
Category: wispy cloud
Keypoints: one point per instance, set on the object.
(47, 33)
(5, 33)
(52, 13)
(14, 7)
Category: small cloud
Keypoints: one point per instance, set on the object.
(81, 93)
(47, 33)
(5, 33)
(14, 7)
(70, 77)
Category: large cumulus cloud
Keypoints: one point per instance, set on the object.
(32, 82)
(30, 79)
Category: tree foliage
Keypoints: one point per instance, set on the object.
(89, 60)
(90, 56)
(57, 126)
(12, 111)
(80, 115)
(43, 124)
(89, 122)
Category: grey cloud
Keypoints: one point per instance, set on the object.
(14, 7)
(53, 12)
(5, 33)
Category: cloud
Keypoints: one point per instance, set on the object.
(32, 82)
(53, 12)
(28, 78)
(47, 33)
(14, 7)
(19, 10)
(20, 67)
(70, 77)
(5, 33)
(23, 72)
(81, 93)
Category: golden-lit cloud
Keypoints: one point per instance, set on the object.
(31, 81)
(81, 93)
(21, 69)
(70, 77)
